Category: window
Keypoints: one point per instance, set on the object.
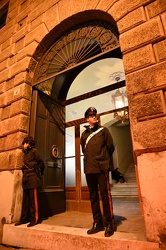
(3, 15)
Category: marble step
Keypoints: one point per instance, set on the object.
(124, 189)
(51, 237)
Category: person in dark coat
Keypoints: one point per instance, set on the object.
(33, 169)
(97, 147)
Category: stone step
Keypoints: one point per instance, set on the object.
(129, 188)
(125, 194)
(124, 189)
(130, 176)
(51, 237)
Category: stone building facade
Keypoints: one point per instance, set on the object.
(32, 26)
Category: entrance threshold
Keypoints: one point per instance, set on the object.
(69, 231)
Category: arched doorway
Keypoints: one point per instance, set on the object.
(102, 85)
(67, 57)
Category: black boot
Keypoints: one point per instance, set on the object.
(96, 228)
(31, 224)
(20, 223)
(110, 229)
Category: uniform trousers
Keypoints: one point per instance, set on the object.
(29, 206)
(100, 180)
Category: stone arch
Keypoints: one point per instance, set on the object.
(76, 20)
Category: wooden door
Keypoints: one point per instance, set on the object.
(48, 128)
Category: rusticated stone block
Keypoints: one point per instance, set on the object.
(2, 87)
(133, 60)
(37, 34)
(160, 49)
(20, 106)
(7, 33)
(163, 18)
(163, 246)
(87, 5)
(4, 124)
(20, 66)
(20, 34)
(16, 158)
(27, 51)
(11, 159)
(20, 78)
(19, 45)
(149, 134)
(14, 140)
(65, 11)
(4, 64)
(39, 7)
(101, 5)
(2, 144)
(5, 112)
(18, 161)
(12, 12)
(4, 75)
(21, 91)
(148, 105)
(9, 84)
(22, 23)
(146, 79)
(123, 7)
(14, 124)
(24, 5)
(155, 8)
(37, 21)
(132, 19)
(19, 122)
(23, 13)
(3, 100)
(4, 159)
(145, 33)
(51, 17)
(9, 52)
(77, 6)
(6, 44)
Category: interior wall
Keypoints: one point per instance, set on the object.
(122, 141)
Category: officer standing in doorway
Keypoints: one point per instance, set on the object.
(97, 147)
(33, 169)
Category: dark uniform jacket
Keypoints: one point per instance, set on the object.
(98, 151)
(32, 169)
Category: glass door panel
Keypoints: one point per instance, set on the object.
(83, 179)
(70, 156)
